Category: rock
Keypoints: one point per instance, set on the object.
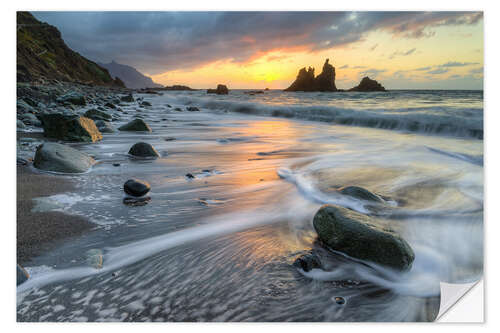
(70, 128)
(169, 138)
(129, 201)
(143, 149)
(22, 275)
(339, 300)
(72, 98)
(360, 193)
(110, 105)
(97, 115)
(367, 85)
(357, 236)
(177, 109)
(189, 176)
(221, 90)
(307, 262)
(169, 106)
(57, 157)
(116, 164)
(136, 125)
(24, 107)
(104, 126)
(192, 108)
(127, 98)
(306, 81)
(145, 103)
(22, 161)
(136, 187)
(20, 124)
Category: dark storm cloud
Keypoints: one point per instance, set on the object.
(159, 41)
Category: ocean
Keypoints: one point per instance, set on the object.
(220, 246)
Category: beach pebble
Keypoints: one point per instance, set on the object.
(189, 176)
(136, 187)
(143, 149)
(129, 201)
(192, 108)
(339, 300)
(307, 262)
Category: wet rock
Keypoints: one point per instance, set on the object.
(116, 164)
(22, 161)
(104, 126)
(31, 119)
(20, 124)
(127, 98)
(72, 98)
(22, 275)
(177, 109)
(136, 125)
(367, 85)
(169, 106)
(192, 108)
(307, 262)
(339, 300)
(23, 107)
(221, 90)
(189, 176)
(136, 187)
(146, 103)
(57, 157)
(169, 138)
(360, 237)
(110, 105)
(129, 201)
(143, 149)
(97, 115)
(70, 128)
(306, 81)
(360, 193)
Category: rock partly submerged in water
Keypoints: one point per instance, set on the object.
(307, 262)
(72, 98)
(192, 108)
(137, 125)
(22, 275)
(57, 157)
(221, 90)
(143, 149)
(104, 126)
(136, 187)
(368, 85)
(70, 127)
(356, 235)
(360, 193)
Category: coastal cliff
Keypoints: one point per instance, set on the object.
(43, 54)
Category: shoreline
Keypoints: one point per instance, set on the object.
(38, 232)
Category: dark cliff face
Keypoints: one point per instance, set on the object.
(367, 85)
(42, 53)
(131, 76)
(306, 81)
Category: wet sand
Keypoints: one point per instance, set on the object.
(37, 231)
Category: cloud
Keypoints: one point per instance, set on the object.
(457, 64)
(356, 67)
(423, 68)
(476, 70)
(373, 47)
(372, 72)
(343, 67)
(156, 42)
(438, 71)
(403, 54)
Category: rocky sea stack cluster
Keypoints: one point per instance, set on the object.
(325, 81)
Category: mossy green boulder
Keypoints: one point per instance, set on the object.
(362, 237)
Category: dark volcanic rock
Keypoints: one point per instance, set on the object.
(307, 262)
(360, 193)
(358, 236)
(97, 115)
(22, 275)
(143, 149)
(367, 85)
(221, 90)
(136, 187)
(136, 125)
(60, 158)
(306, 81)
(70, 128)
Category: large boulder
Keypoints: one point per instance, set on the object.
(70, 127)
(136, 125)
(136, 187)
(57, 157)
(361, 237)
(72, 98)
(306, 81)
(221, 90)
(367, 85)
(143, 149)
(95, 114)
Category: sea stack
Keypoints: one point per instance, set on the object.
(367, 85)
(306, 81)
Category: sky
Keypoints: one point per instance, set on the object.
(402, 50)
